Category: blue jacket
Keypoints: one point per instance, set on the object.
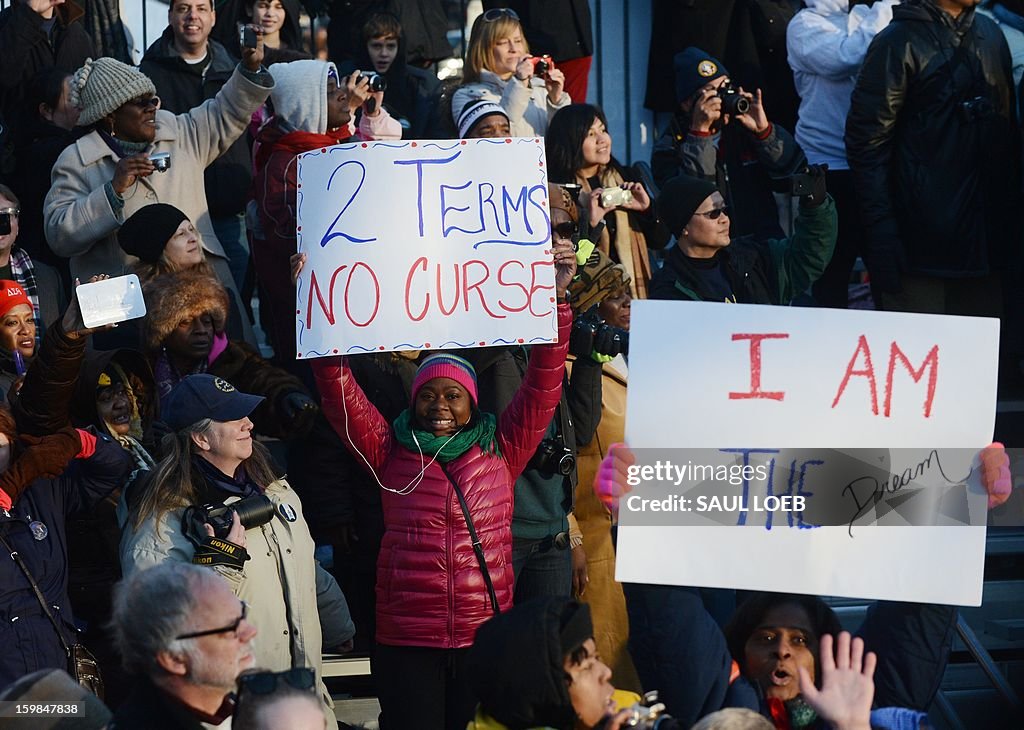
(29, 640)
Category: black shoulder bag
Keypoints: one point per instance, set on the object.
(82, 664)
(477, 547)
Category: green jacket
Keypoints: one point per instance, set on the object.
(759, 271)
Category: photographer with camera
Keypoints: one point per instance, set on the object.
(314, 107)
(106, 175)
(708, 264)
(932, 142)
(618, 214)
(499, 68)
(215, 500)
(722, 134)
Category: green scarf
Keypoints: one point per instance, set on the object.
(480, 432)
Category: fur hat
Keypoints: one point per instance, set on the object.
(104, 85)
(172, 298)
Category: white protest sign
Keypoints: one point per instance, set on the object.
(424, 245)
(725, 376)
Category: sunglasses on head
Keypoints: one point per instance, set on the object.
(264, 683)
(715, 213)
(223, 630)
(564, 230)
(496, 13)
(151, 101)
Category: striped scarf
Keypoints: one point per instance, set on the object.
(23, 272)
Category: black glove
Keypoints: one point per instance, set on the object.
(608, 341)
(299, 410)
(817, 189)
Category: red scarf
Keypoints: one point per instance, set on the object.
(295, 143)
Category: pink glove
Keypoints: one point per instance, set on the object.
(610, 483)
(995, 474)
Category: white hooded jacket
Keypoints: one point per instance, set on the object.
(826, 43)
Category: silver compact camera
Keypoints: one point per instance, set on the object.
(647, 713)
(161, 161)
(614, 197)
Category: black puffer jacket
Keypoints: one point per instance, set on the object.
(931, 140)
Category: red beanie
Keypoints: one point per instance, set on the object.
(11, 295)
(443, 365)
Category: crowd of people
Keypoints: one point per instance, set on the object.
(195, 522)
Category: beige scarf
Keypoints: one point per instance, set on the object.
(629, 247)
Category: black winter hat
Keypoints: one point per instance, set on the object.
(679, 199)
(516, 663)
(694, 68)
(146, 232)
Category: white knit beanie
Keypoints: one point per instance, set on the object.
(102, 86)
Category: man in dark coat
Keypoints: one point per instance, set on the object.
(931, 141)
(188, 67)
(36, 35)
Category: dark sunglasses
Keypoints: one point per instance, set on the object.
(152, 101)
(496, 13)
(565, 230)
(715, 213)
(265, 683)
(223, 630)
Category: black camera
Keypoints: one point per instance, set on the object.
(6, 217)
(252, 512)
(377, 82)
(247, 36)
(975, 110)
(733, 102)
(552, 457)
(590, 333)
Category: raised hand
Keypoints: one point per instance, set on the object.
(847, 684)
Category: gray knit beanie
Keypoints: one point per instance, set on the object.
(102, 86)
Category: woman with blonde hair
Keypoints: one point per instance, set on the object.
(499, 68)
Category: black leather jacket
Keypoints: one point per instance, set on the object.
(931, 140)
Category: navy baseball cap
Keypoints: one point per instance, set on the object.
(206, 396)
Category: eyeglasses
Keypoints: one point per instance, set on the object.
(497, 13)
(224, 630)
(264, 683)
(152, 101)
(715, 213)
(564, 230)
(10, 211)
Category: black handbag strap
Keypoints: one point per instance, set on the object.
(39, 594)
(477, 547)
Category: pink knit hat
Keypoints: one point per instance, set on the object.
(444, 365)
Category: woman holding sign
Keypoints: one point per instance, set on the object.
(447, 472)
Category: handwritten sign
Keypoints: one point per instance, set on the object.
(764, 378)
(424, 245)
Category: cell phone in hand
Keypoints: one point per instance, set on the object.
(111, 301)
(246, 36)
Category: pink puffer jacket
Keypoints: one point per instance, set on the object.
(430, 590)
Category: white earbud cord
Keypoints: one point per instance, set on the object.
(411, 486)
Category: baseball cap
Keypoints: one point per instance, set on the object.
(206, 396)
